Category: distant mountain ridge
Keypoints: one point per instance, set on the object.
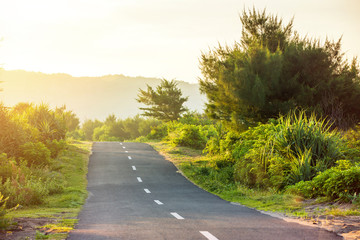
(88, 97)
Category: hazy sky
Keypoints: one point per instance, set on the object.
(151, 38)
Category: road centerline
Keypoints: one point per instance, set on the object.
(177, 216)
(158, 202)
(208, 235)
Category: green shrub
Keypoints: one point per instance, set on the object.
(187, 136)
(55, 147)
(336, 183)
(24, 191)
(159, 132)
(77, 134)
(36, 153)
(6, 167)
(254, 155)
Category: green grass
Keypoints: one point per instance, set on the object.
(65, 206)
(199, 169)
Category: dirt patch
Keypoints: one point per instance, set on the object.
(25, 228)
(346, 226)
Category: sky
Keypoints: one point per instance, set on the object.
(150, 38)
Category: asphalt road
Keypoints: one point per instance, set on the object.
(134, 193)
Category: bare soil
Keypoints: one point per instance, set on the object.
(346, 226)
(25, 228)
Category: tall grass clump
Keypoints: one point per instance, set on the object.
(285, 151)
(309, 144)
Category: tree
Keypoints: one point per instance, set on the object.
(271, 71)
(165, 103)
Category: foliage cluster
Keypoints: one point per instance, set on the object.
(31, 139)
(296, 150)
(113, 129)
(272, 70)
(338, 183)
(165, 103)
(193, 130)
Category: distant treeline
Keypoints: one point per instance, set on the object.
(115, 129)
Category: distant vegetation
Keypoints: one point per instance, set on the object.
(164, 103)
(88, 97)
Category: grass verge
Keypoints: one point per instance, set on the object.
(201, 171)
(59, 211)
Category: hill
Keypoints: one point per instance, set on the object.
(88, 97)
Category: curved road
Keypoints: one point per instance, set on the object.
(134, 193)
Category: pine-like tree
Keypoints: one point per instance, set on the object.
(165, 103)
(272, 71)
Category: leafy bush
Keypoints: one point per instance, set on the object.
(24, 191)
(187, 136)
(77, 134)
(36, 153)
(158, 132)
(6, 167)
(30, 137)
(340, 182)
(55, 147)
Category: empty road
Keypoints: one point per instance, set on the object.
(134, 193)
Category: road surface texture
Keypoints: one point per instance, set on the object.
(134, 193)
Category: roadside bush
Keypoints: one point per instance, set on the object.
(77, 134)
(159, 132)
(187, 136)
(300, 134)
(254, 154)
(25, 190)
(340, 182)
(12, 133)
(36, 153)
(55, 147)
(285, 151)
(6, 167)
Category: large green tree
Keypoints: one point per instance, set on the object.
(164, 103)
(272, 70)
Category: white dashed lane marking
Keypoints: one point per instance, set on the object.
(129, 157)
(177, 216)
(158, 202)
(147, 190)
(123, 147)
(139, 179)
(208, 235)
(134, 168)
